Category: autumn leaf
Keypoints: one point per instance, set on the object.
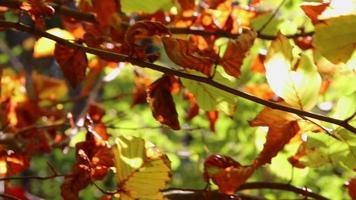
(142, 169)
(334, 38)
(105, 10)
(93, 161)
(314, 9)
(144, 29)
(282, 126)
(183, 53)
(73, 63)
(226, 173)
(139, 92)
(352, 188)
(194, 108)
(44, 47)
(212, 117)
(161, 102)
(14, 163)
(236, 51)
(298, 85)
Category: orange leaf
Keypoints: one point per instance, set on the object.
(183, 53)
(257, 64)
(105, 10)
(283, 126)
(186, 5)
(236, 51)
(194, 108)
(73, 63)
(262, 91)
(314, 9)
(352, 188)
(213, 117)
(161, 102)
(14, 163)
(226, 173)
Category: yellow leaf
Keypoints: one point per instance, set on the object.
(142, 170)
(45, 47)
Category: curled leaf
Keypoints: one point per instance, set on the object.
(183, 53)
(236, 51)
(73, 63)
(161, 102)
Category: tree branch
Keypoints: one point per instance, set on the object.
(124, 58)
(90, 17)
(281, 186)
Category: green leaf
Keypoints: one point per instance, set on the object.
(335, 38)
(322, 149)
(142, 170)
(129, 6)
(345, 107)
(298, 87)
(210, 98)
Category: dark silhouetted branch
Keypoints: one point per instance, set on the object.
(124, 58)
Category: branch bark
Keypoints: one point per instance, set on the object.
(124, 58)
(90, 17)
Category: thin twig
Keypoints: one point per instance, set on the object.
(41, 178)
(272, 16)
(90, 17)
(320, 126)
(124, 58)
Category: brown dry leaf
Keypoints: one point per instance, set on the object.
(236, 51)
(314, 9)
(183, 53)
(73, 63)
(282, 126)
(212, 117)
(161, 102)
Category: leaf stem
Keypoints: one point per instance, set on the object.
(124, 58)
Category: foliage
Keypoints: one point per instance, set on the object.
(123, 99)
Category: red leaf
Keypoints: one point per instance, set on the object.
(186, 5)
(73, 63)
(304, 42)
(283, 126)
(15, 162)
(352, 188)
(183, 53)
(213, 117)
(314, 9)
(93, 161)
(161, 102)
(194, 108)
(16, 191)
(139, 92)
(105, 11)
(236, 51)
(226, 173)
(38, 9)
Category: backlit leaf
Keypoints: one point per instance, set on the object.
(210, 98)
(161, 102)
(282, 127)
(45, 47)
(352, 188)
(73, 63)
(298, 87)
(183, 53)
(314, 9)
(142, 170)
(226, 173)
(334, 38)
(212, 117)
(236, 51)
